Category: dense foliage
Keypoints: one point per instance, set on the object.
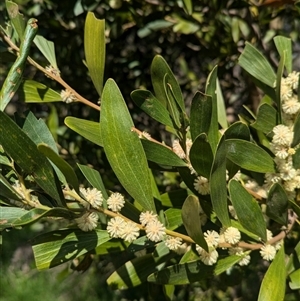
(190, 208)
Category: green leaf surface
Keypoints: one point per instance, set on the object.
(201, 156)
(86, 128)
(211, 89)
(247, 210)
(94, 178)
(296, 139)
(278, 85)
(25, 153)
(266, 120)
(218, 185)
(226, 263)
(249, 156)
(16, 18)
(8, 215)
(188, 6)
(133, 272)
(295, 280)
(159, 68)
(174, 198)
(296, 159)
(47, 49)
(61, 164)
(191, 220)
(238, 130)
(277, 204)
(254, 62)
(173, 218)
(222, 115)
(152, 27)
(273, 284)
(94, 48)
(152, 106)
(284, 44)
(160, 154)
(200, 117)
(123, 147)
(293, 263)
(31, 92)
(54, 248)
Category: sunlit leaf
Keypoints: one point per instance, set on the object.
(123, 147)
(16, 18)
(284, 44)
(247, 210)
(94, 48)
(47, 49)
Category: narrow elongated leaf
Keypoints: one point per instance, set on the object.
(16, 18)
(123, 147)
(87, 129)
(273, 284)
(47, 49)
(218, 185)
(295, 280)
(188, 6)
(61, 164)
(294, 260)
(159, 68)
(254, 62)
(94, 178)
(24, 152)
(201, 156)
(201, 111)
(247, 210)
(222, 115)
(31, 91)
(8, 215)
(152, 106)
(211, 89)
(249, 156)
(94, 48)
(54, 248)
(277, 204)
(284, 44)
(191, 220)
(296, 139)
(174, 198)
(267, 118)
(278, 85)
(161, 154)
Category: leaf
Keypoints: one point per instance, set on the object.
(247, 210)
(238, 130)
(188, 6)
(54, 248)
(152, 27)
(47, 49)
(296, 129)
(161, 155)
(123, 147)
(173, 218)
(181, 274)
(201, 110)
(174, 198)
(284, 44)
(191, 220)
(61, 164)
(16, 18)
(159, 68)
(133, 272)
(24, 152)
(86, 128)
(94, 178)
(257, 65)
(152, 106)
(277, 204)
(295, 280)
(273, 284)
(211, 89)
(226, 263)
(296, 158)
(266, 120)
(249, 156)
(201, 156)
(218, 185)
(94, 49)
(8, 215)
(278, 86)
(222, 115)
(294, 260)
(31, 92)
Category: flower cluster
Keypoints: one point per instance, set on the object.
(93, 197)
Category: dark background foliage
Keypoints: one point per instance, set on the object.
(192, 43)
